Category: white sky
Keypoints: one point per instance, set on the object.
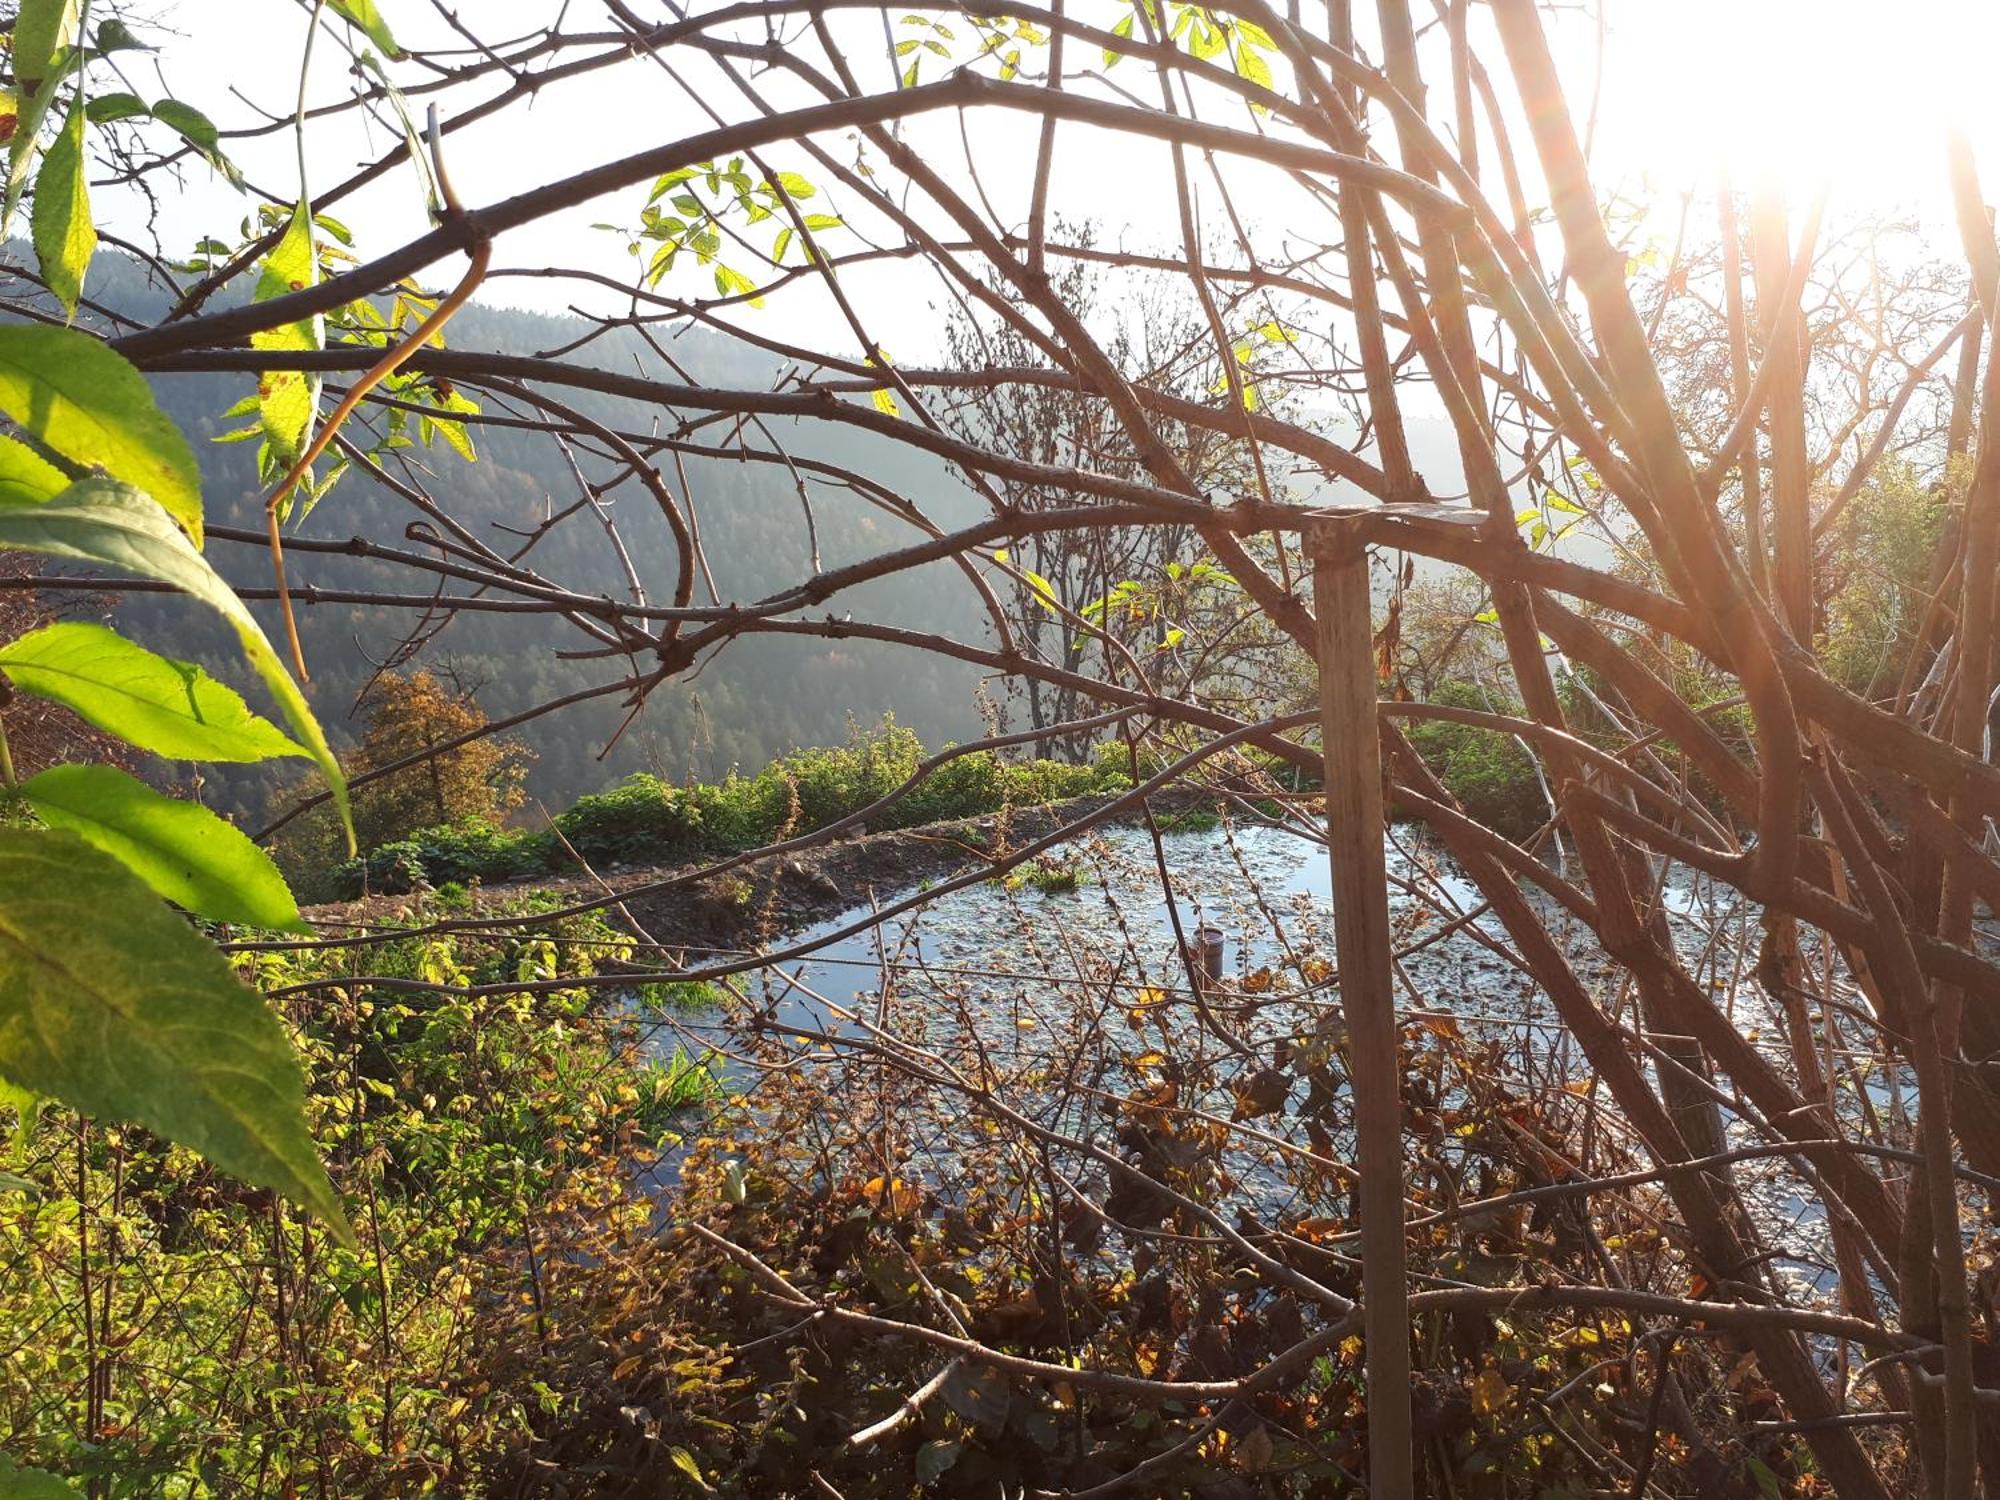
(1853, 90)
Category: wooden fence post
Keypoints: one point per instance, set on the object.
(1354, 825)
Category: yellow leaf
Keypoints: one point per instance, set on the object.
(1490, 1392)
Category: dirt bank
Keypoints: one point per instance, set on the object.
(761, 900)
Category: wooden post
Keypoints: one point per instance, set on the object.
(1354, 819)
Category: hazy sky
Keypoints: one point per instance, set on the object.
(1852, 89)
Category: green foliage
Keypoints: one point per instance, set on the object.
(86, 403)
(639, 816)
(1490, 773)
(646, 819)
(668, 1086)
(181, 849)
(25, 476)
(680, 995)
(43, 29)
(171, 708)
(1193, 820)
(111, 1003)
(365, 18)
(31, 1484)
(287, 399)
(1882, 562)
(702, 199)
(112, 525)
(1049, 875)
(65, 238)
(473, 850)
(496, 1140)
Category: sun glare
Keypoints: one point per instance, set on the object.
(1858, 92)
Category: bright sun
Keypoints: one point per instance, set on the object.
(1856, 91)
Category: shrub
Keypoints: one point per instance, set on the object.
(835, 782)
(1489, 772)
(645, 818)
(641, 816)
(473, 850)
(974, 783)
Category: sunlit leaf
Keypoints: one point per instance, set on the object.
(685, 1462)
(1490, 1392)
(365, 18)
(65, 238)
(107, 108)
(89, 404)
(42, 28)
(171, 708)
(25, 475)
(181, 849)
(198, 131)
(116, 1006)
(113, 526)
(287, 400)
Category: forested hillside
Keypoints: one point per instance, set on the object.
(759, 699)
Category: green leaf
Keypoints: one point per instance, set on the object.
(41, 30)
(287, 400)
(685, 1462)
(27, 1106)
(89, 404)
(28, 111)
(1045, 592)
(115, 36)
(455, 433)
(65, 237)
(198, 131)
(107, 108)
(190, 124)
(26, 476)
(33, 1484)
(181, 849)
(116, 1006)
(364, 17)
(172, 708)
(1253, 67)
(113, 526)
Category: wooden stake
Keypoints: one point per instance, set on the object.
(1354, 819)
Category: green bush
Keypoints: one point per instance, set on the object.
(1489, 773)
(642, 815)
(646, 819)
(473, 850)
(835, 782)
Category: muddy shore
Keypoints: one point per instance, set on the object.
(758, 901)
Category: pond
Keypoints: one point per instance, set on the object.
(1069, 985)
